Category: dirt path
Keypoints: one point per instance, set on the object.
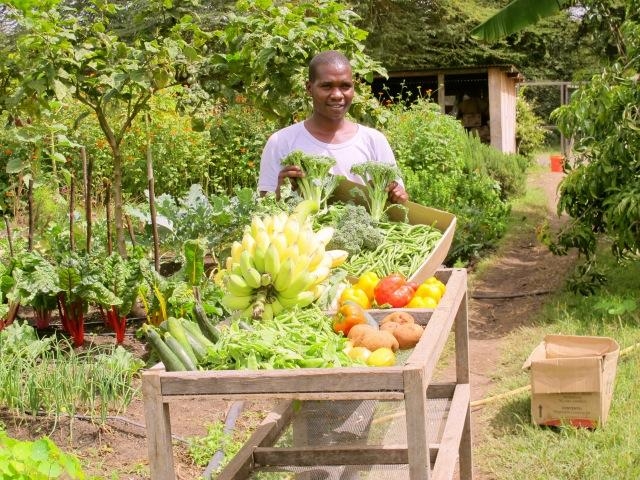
(523, 266)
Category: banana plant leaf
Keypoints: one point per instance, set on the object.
(517, 15)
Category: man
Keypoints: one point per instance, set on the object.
(327, 131)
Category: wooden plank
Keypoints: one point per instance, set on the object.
(334, 455)
(462, 342)
(449, 443)
(465, 451)
(307, 380)
(270, 429)
(385, 396)
(429, 349)
(416, 415)
(158, 424)
(441, 390)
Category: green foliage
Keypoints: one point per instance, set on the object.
(507, 169)
(530, 131)
(202, 449)
(238, 135)
(601, 191)
(47, 376)
(36, 460)
(447, 169)
(265, 47)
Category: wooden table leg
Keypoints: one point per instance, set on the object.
(158, 425)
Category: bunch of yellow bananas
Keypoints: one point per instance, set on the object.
(280, 263)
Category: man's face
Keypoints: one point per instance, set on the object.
(332, 91)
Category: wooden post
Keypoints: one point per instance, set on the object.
(72, 207)
(465, 456)
(9, 234)
(152, 201)
(158, 422)
(31, 214)
(415, 397)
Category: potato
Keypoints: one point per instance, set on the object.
(398, 317)
(390, 326)
(408, 334)
(366, 336)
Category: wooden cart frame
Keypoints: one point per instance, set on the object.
(410, 382)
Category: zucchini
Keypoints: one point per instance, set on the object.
(199, 350)
(177, 348)
(175, 328)
(208, 329)
(170, 360)
(194, 329)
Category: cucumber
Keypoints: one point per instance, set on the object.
(180, 352)
(208, 329)
(196, 331)
(199, 350)
(175, 328)
(170, 360)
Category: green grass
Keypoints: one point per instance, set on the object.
(514, 448)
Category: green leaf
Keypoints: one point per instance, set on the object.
(194, 266)
(60, 89)
(16, 165)
(516, 16)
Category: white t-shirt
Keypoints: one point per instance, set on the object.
(367, 144)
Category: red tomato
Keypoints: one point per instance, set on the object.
(393, 290)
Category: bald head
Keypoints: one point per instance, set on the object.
(328, 57)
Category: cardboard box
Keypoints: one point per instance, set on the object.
(572, 380)
(415, 214)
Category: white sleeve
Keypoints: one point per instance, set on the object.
(269, 166)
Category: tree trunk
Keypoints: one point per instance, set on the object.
(87, 168)
(152, 203)
(118, 210)
(31, 214)
(107, 207)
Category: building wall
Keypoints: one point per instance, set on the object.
(502, 110)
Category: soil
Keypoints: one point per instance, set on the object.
(517, 275)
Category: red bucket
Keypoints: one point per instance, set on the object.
(557, 162)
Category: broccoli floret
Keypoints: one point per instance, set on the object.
(318, 183)
(355, 230)
(376, 177)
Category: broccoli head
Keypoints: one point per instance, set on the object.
(355, 230)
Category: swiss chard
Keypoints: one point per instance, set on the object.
(79, 284)
(122, 277)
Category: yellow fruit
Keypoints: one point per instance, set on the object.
(382, 357)
(359, 354)
(430, 290)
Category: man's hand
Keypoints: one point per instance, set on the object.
(291, 172)
(397, 193)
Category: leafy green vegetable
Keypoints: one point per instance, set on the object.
(376, 177)
(298, 338)
(318, 183)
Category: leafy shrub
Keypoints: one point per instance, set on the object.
(238, 135)
(444, 168)
(530, 132)
(508, 169)
(37, 460)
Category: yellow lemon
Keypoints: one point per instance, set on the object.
(382, 357)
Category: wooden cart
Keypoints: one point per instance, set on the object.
(410, 383)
